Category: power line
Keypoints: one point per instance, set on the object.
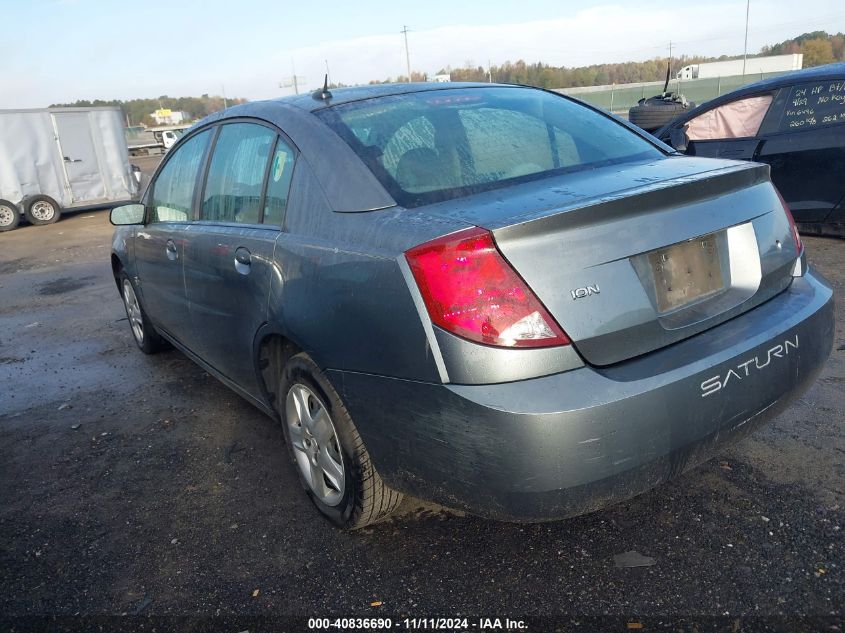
(727, 35)
(768, 29)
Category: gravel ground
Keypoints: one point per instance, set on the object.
(135, 484)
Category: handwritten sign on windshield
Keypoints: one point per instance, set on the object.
(812, 105)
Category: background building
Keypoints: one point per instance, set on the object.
(165, 116)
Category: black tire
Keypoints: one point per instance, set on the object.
(653, 113)
(10, 216)
(365, 499)
(42, 210)
(149, 341)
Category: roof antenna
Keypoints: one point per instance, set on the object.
(324, 94)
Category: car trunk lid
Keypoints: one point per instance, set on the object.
(634, 257)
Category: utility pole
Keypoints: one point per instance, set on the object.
(404, 31)
(294, 80)
(745, 49)
(225, 103)
(489, 73)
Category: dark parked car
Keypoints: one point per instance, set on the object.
(796, 124)
(492, 297)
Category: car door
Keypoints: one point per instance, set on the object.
(229, 258)
(159, 244)
(730, 130)
(804, 142)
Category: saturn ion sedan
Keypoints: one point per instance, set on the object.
(492, 297)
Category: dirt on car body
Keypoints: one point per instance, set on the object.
(143, 485)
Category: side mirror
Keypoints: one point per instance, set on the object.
(127, 214)
(678, 139)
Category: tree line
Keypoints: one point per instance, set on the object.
(818, 48)
(139, 111)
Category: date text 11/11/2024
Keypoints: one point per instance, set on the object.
(417, 624)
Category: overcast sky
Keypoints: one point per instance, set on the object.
(64, 50)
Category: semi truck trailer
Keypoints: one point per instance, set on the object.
(734, 67)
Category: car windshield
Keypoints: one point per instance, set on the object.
(430, 146)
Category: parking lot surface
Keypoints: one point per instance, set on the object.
(139, 484)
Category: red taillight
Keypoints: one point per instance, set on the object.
(792, 226)
(470, 290)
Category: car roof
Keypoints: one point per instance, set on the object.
(817, 73)
(309, 102)
(347, 183)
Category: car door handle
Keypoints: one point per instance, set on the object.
(170, 249)
(243, 260)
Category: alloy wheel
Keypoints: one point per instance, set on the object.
(315, 444)
(133, 311)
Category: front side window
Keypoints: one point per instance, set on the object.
(173, 189)
(738, 119)
(442, 144)
(236, 174)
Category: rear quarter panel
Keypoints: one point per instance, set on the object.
(340, 294)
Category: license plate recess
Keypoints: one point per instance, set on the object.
(687, 272)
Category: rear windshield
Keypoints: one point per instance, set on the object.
(430, 146)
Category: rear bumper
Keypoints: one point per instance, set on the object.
(573, 442)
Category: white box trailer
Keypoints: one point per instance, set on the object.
(733, 67)
(61, 158)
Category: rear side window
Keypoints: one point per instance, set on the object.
(441, 144)
(278, 184)
(738, 119)
(236, 174)
(814, 105)
(173, 190)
